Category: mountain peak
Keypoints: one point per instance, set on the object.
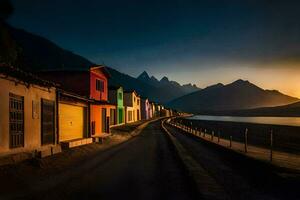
(164, 79)
(153, 78)
(215, 86)
(241, 81)
(144, 75)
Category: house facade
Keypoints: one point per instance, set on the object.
(103, 113)
(91, 84)
(145, 109)
(28, 112)
(132, 103)
(115, 97)
(165, 112)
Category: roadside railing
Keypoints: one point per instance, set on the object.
(244, 141)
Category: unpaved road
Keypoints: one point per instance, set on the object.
(241, 177)
(144, 167)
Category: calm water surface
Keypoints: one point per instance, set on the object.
(288, 121)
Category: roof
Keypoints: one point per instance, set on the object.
(27, 77)
(77, 71)
(72, 95)
(102, 68)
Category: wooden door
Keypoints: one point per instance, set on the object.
(47, 122)
(103, 125)
(112, 116)
(120, 113)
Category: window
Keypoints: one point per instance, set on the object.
(100, 85)
(134, 99)
(120, 96)
(138, 102)
(16, 120)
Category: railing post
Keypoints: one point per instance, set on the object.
(212, 135)
(204, 133)
(271, 146)
(246, 140)
(230, 144)
(219, 137)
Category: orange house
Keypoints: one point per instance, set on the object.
(103, 114)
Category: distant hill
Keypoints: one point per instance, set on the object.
(290, 110)
(238, 95)
(35, 53)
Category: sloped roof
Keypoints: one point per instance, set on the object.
(102, 68)
(24, 76)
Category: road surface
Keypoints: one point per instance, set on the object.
(144, 167)
(241, 177)
(147, 167)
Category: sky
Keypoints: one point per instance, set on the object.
(199, 42)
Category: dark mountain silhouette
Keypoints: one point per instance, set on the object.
(167, 86)
(161, 91)
(189, 88)
(235, 96)
(131, 83)
(144, 77)
(36, 53)
(290, 110)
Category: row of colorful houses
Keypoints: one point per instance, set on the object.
(74, 108)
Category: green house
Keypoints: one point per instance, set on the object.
(115, 96)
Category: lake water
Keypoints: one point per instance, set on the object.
(288, 121)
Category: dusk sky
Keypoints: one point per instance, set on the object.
(202, 42)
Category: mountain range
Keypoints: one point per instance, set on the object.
(238, 95)
(34, 53)
(167, 84)
(159, 91)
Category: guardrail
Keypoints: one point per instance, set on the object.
(267, 153)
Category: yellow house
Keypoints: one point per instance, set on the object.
(132, 103)
(28, 113)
